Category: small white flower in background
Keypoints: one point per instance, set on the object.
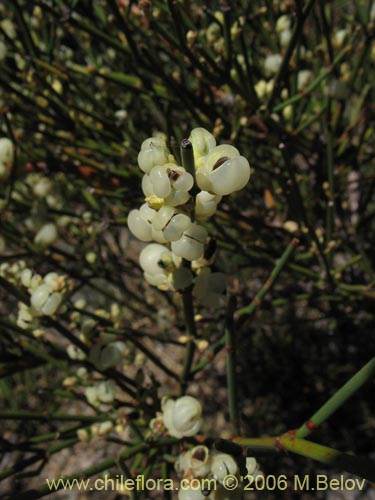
(46, 235)
(272, 64)
(75, 352)
(109, 355)
(304, 78)
(285, 38)
(6, 150)
(103, 392)
(182, 417)
(283, 23)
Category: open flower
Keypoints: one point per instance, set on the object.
(224, 171)
(182, 417)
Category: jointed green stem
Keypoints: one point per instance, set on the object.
(344, 393)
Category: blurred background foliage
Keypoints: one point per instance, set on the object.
(82, 84)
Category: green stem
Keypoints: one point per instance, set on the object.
(338, 399)
(250, 309)
(342, 461)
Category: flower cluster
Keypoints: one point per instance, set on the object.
(177, 201)
(46, 293)
(199, 462)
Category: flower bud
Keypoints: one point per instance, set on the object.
(304, 78)
(154, 258)
(46, 235)
(272, 64)
(153, 152)
(206, 204)
(191, 245)
(6, 150)
(223, 465)
(106, 391)
(182, 417)
(203, 142)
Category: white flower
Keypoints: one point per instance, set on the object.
(203, 142)
(304, 78)
(156, 262)
(206, 204)
(107, 356)
(285, 38)
(45, 301)
(182, 417)
(153, 152)
(224, 171)
(139, 222)
(46, 235)
(191, 245)
(6, 150)
(283, 23)
(106, 391)
(272, 64)
(194, 463)
(223, 465)
(75, 352)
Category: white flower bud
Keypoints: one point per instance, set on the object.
(105, 427)
(272, 64)
(46, 235)
(176, 226)
(139, 226)
(52, 304)
(106, 391)
(162, 218)
(203, 142)
(285, 38)
(92, 395)
(6, 150)
(223, 465)
(304, 78)
(159, 179)
(26, 276)
(283, 23)
(251, 465)
(75, 352)
(182, 417)
(206, 204)
(191, 245)
(42, 188)
(154, 259)
(52, 280)
(40, 296)
(153, 152)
